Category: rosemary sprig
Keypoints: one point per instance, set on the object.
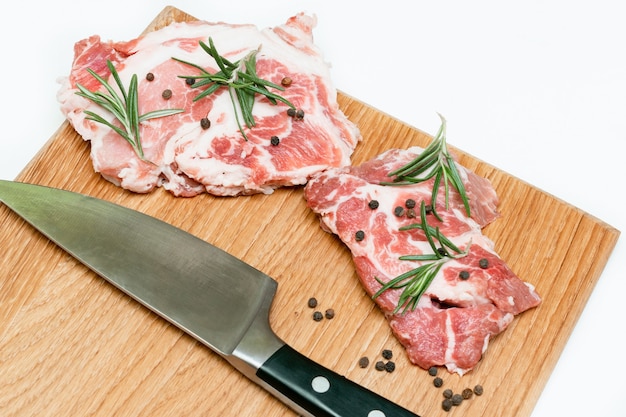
(124, 105)
(435, 161)
(241, 80)
(415, 282)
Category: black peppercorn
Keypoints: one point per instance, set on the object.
(467, 393)
(432, 371)
(359, 235)
(380, 366)
(478, 390)
(205, 123)
(437, 382)
(399, 211)
(457, 399)
(364, 362)
(329, 314)
(318, 316)
(150, 76)
(300, 114)
(428, 208)
(410, 203)
(167, 94)
(373, 204)
(446, 404)
(411, 214)
(312, 302)
(483, 263)
(190, 81)
(447, 393)
(387, 354)
(274, 140)
(291, 112)
(390, 366)
(464, 275)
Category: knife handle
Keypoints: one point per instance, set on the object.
(322, 392)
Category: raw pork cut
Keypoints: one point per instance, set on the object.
(180, 155)
(455, 318)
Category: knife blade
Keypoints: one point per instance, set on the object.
(215, 297)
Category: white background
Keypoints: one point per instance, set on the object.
(536, 88)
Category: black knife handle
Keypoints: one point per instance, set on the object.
(322, 392)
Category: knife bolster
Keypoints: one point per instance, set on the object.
(257, 345)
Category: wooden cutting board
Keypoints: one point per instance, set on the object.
(72, 345)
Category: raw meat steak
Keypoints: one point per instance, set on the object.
(180, 155)
(455, 318)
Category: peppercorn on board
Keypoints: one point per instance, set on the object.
(71, 344)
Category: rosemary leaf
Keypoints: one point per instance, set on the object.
(123, 105)
(434, 162)
(457, 182)
(426, 257)
(132, 109)
(97, 118)
(416, 281)
(240, 79)
(428, 158)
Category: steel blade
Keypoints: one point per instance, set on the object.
(200, 288)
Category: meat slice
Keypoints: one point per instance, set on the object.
(455, 318)
(180, 155)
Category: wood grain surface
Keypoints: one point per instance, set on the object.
(72, 345)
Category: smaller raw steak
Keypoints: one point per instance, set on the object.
(456, 317)
(188, 157)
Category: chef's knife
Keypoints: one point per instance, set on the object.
(215, 297)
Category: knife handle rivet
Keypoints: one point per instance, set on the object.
(320, 384)
(376, 413)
